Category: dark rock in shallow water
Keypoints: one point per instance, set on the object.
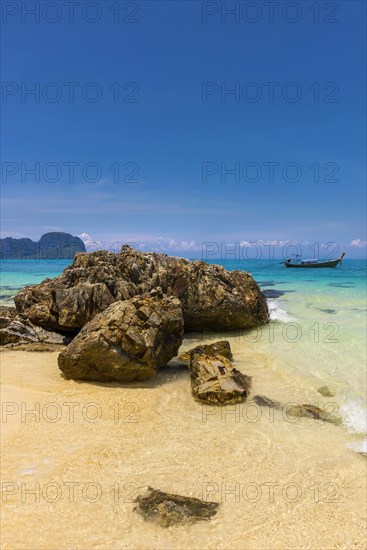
(324, 390)
(214, 381)
(331, 311)
(263, 401)
(168, 509)
(128, 341)
(311, 411)
(306, 410)
(212, 298)
(218, 348)
(272, 293)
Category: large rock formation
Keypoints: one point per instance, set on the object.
(216, 382)
(51, 246)
(128, 341)
(212, 298)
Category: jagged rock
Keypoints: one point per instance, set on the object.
(128, 341)
(218, 348)
(263, 401)
(324, 390)
(216, 382)
(168, 509)
(311, 411)
(21, 331)
(212, 298)
(7, 314)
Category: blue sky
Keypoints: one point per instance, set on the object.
(174, 132)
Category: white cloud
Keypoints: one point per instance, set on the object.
(153, 242)
(358, 243)
(262, 242)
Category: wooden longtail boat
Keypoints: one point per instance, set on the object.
(313, 263)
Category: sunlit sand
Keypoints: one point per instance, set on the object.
(72, 469)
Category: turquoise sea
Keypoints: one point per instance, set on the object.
(317, 333)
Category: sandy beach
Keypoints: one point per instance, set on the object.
(183, 266)
(72, 469)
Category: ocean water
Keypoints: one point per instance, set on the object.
(16, 274)
(316, 337)
(317, 334)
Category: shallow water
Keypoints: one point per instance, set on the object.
(317, 332)
(73, 467)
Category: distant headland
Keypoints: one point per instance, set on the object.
(51, 246)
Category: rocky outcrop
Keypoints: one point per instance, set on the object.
(212, 298)
(167, 509)
(216, 382)
(7, 314)
(17, 329)
(218, 348)
(51, 246)
(128, 341)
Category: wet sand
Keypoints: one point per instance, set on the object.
(71, 471)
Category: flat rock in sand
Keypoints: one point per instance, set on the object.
(168, 509)
(215, 381)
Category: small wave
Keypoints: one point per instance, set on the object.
(358, 446)
(354, 414)
(277, 312)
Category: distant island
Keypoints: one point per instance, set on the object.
(51, 246)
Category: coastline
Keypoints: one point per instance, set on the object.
(89, 449)
(163, 438)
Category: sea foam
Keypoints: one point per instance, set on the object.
(354, 415)
(277, 311)
(358, 446)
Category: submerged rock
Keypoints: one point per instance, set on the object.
(216, 382)
(168, 509)
(324, 390)
(21, 331)
(263, 401)
(128, 341)
(311, 411)
(212, 298)
(218, 348)
(305, 410)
